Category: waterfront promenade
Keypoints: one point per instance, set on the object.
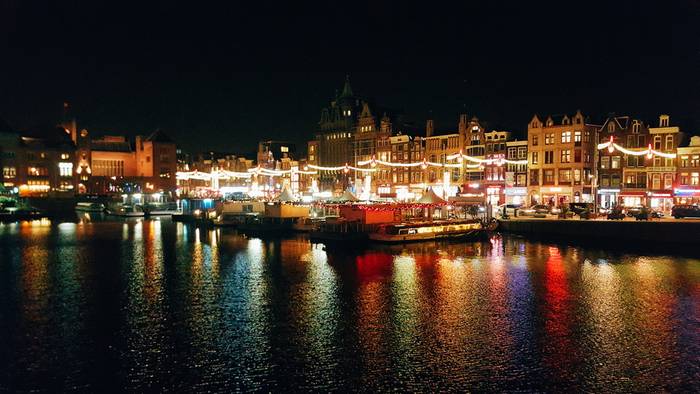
(684, 232)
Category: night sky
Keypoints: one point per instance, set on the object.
(225, 77)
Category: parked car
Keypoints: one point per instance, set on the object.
(509, 209)
(616, 213)
(685, 211)
(578, 207)
(539, 209)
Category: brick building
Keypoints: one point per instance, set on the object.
(561, 167)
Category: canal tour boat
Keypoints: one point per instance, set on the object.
(89, 207)
(427, 231)
(125, 210)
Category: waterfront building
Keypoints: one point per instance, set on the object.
(38, 162)
(335, 138)
(561, 149)
(115, 166)
(687, 189)
(622, 177)
(495, 171)
(661, 175)
(516, 174)
(438, 147)
(209, 162)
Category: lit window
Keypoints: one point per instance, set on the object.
(565, 137)
(64, 156)
(615, 163)
(65, 169)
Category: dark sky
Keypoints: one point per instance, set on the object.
(224, 77)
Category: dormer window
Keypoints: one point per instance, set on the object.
(611, 127)
(550, 122)
(635, 127)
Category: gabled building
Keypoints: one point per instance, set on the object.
(516, 174)
(661, 174)
(622, 179)
(38, 162)
(561, 167)
(687, 189)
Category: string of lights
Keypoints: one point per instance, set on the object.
(346, 168)
(649, 152)
(461, 156)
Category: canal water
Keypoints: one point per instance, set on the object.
(147, 305)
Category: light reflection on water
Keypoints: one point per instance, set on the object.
(151, 305)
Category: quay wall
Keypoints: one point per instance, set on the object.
(667, 232)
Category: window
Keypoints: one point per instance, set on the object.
(65, 169)
(577, 156)
(148, 159)
(586, 136)
(611, 127)
(615, 180)
(615, 162)
(631, 141)
(565, 137)
(534, 177)
(631, 179)
(657, 142)
(635, 127)
(656, 181)
(605, 162)
(312, 158)
(565, 176)
(549, 157)
(669, 162)
(64, 156)
(9, 172)
(685, 178)
(577, 175)
(577, 138)
(37, 171)
(534, 157)
(522, 152)
(657, 161)
(549, 138)
(695, 178)
(566, 156)
(669, 142)
(312, 148)
(668, 181)
(586, 157)
(695, 161)
(605, 180)
(548, 177)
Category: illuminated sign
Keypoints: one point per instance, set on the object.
(608, 191)
(515, 191)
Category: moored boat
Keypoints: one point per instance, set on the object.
(161, 208)
(89, 207)
(125, 210)
(426, 231)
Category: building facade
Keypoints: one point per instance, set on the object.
(38, 162)
(687, 188)
(661, 176)
(561, 167)
(516, 174)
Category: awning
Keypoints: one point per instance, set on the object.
(633, 194)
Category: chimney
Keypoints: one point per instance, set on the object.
(463, 123)
(429, 128)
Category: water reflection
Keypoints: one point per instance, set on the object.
(155, 305)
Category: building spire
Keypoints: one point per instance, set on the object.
(347, 90)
